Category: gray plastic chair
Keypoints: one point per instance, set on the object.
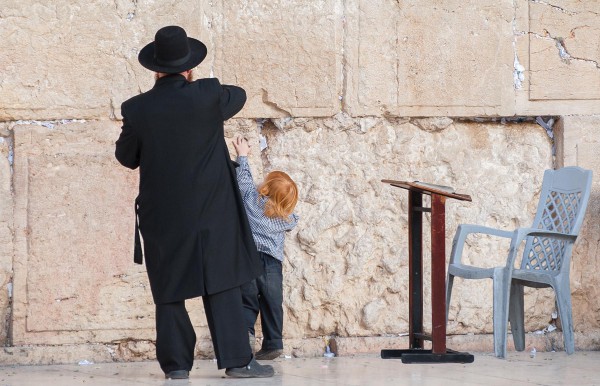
(545, 261)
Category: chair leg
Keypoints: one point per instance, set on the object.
(449, 282)
(563, 300)
(500, 312)
(516, 315)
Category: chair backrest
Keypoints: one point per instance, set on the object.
(563, 202)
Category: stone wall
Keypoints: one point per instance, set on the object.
(343, 94)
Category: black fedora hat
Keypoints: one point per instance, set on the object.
(172, 51)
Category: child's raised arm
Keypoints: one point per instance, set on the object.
(243, 173)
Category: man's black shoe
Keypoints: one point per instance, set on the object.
(251, 370)
(268, 355)
(177, 374)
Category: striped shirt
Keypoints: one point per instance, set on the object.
(268, 233)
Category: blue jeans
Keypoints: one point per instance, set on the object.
(264, 295)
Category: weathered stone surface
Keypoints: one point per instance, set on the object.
(308, 59)
(68, 288)
(347, 261)
(297, 58)
(4, 130)
(580, 140)
(433, 124)
(544, 85)
(564, 50)
(416, 58)
(285, 53)
(74, 275)
(346, 266)
(75, 280)
(78, 59)
(6, 236)
(302, 347)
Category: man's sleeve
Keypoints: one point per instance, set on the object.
(128, 145)
(231, 101)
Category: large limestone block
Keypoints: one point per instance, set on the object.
(580, 141)
(67, 59)
(74, 276)
(346, 266)
(420, 58)
(285, 53)
(78, 59)
(564, 50)
(579, 137)
(584, 277)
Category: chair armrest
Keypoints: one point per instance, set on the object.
(521, 233)
(464, 230)
(517, 236)
(471, 228)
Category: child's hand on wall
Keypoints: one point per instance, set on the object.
(241, 145)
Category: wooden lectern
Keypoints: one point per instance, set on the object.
(416, 353)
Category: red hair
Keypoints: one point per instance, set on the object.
(282, 194)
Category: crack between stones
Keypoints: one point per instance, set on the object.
(275, 106)
(8, 318)
(518, 69)
(132, 14)
(130, 71)
(564, 54)
(561, 9)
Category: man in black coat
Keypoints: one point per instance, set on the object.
(197, 240)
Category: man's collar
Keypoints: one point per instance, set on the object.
(169, 79)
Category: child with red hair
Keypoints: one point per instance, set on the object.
(270, 209)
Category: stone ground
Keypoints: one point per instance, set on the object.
(546, 368)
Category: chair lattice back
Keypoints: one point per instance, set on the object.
(558, 211)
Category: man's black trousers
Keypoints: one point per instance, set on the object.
(176, 339)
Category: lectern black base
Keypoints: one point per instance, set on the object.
(427, 356)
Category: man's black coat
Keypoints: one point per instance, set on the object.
(196, 235)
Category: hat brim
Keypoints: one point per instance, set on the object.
(197, 54)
